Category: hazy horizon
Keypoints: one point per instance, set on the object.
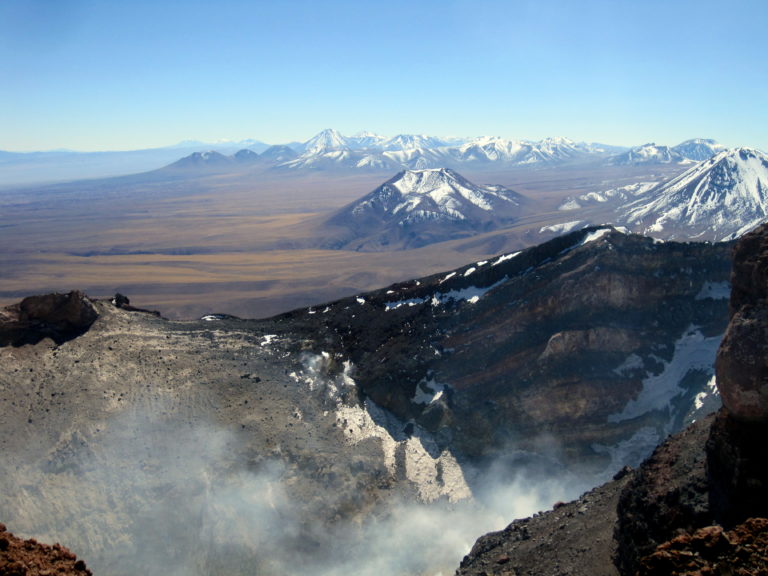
(225, 142)
(97, 76)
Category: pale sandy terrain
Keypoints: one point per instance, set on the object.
(243, 244)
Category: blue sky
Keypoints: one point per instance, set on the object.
(112, 75)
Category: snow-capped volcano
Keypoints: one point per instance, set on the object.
(325, 141)
(698, 149)
(434, 194)
(718, 199)
(419, 207)
(650, 153)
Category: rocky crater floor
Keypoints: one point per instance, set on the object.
(414, 418)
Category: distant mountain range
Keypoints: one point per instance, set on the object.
(686, 152)
(718, 199)
(330, 150)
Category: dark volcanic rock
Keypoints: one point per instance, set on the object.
(553, 342)
(668, 493)
(574, 538)
(123, 302)
(60, 317)
(742, 361)
(736, 449)
(713, 471)
(623, 521)
(738, 474)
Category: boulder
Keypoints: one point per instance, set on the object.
(736, 449)
(60, 317)
(742, 361)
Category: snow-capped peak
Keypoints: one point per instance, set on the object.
(717, 199)
(698, 149)
(412, 141)
(649, 153)
(557, 141)
(328, 139)
(435, 193)
(419, 207)
(520, 152)
(366, 139)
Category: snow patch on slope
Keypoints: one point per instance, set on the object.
(714, 291)
(561, 228)
(693, 352)
(434, 473)
(470, 294)
(594, 236)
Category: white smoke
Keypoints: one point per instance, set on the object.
(166, 495)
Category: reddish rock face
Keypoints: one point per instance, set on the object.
(31, 558)
(711, 550)
(742, 361)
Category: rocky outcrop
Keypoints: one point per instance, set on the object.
(60, 317)
(742, 361)
(736, 449)
(31, 558)
(123, 302)
(738, 475)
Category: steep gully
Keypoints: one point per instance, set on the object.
(698, 505)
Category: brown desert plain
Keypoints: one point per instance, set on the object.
(246, 243)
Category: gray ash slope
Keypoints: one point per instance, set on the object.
(286, 445)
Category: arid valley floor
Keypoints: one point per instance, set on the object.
(247, 243)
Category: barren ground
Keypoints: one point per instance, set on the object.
(242, 244)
